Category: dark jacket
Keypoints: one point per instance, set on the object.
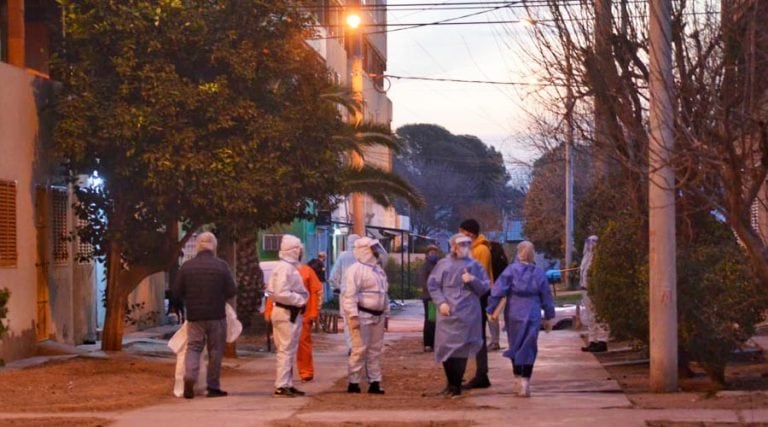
(204, 283)
(424, 272)
(319, 268)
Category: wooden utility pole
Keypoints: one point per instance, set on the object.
(604, 55)
(355, 66)
(661, 204)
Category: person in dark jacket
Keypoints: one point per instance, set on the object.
(318, 264)
(205, 283)
(430, 260)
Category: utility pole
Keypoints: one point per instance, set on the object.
(568, 171)
(355, 67)
(661, 205)
(603, 28)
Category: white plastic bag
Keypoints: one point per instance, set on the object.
(234, 327)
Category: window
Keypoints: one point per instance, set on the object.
(59, 228)
(8, 254)
(271, 242)
(84, 249)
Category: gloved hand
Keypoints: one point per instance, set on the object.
(354, 322)
(547, 323)
(445, 309)
(467, 277)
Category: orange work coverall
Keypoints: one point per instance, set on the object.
(304, 354)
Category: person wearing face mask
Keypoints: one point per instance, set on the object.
(527, 293)
(289, 297)
(366, 304)
(430, 260)
(456, 284)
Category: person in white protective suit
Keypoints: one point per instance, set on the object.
(346, 259)
(366, 304)
(289, 297)
(597, 332)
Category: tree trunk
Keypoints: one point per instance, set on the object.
(112, 335)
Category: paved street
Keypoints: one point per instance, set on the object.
(569, 388)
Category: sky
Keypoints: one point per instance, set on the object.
(494, 113)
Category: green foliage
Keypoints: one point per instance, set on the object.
(719, 299)
(192, 112)
(453, 171)
(618, 279)
(398, 279)
(5, 295)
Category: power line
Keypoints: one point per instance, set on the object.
(489, 82)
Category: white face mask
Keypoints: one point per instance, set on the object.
(463, 252)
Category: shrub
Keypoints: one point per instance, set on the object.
(399, 287)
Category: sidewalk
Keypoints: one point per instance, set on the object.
(569, 388)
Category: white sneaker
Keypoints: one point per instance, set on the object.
(516, 384)
(525, 388)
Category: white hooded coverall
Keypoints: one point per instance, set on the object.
(345, 260)
(286, 287)
(597, 331)
(365, 285)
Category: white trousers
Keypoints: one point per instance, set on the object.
(596, 331)
(367, 346)
(286, 336)
(495, 328)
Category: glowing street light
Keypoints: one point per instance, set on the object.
(354, 21)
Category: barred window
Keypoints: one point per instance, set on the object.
(84, 249)
(60, 208)
(8, 254)
(271, 242)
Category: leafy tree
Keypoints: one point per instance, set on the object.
(456, 174)
(194, 112)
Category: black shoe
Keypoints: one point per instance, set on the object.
(477, 382)
(353, 388)
(215, 392)
(283, 392)
(453, 392)
(296, 391)
(189, 389)
(375, 388)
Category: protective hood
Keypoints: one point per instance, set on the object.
(291, 248)
(363, 251)
(351, 239)
(480, 240)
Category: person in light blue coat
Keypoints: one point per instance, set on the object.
(455, 286)
(527, 293)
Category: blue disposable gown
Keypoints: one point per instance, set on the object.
(527, 292)
(460, 333)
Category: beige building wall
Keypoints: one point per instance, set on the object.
(20, 145)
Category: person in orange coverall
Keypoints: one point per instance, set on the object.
(304, 354)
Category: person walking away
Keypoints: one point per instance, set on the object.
(289, 298)
(304, 354)
(205, 283)
(456, 284)
(597, 332)
(346, 259)
(366, 303)
(527, 291)
(481, 253)
(430, 260)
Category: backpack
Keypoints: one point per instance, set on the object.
(499, 260)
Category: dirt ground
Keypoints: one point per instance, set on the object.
(55, 421)
(85, 384)
(747, 386)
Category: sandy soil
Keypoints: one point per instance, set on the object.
(55, 421)
(83, 384)
(747, 385)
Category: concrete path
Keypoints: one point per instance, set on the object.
(569, 388)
